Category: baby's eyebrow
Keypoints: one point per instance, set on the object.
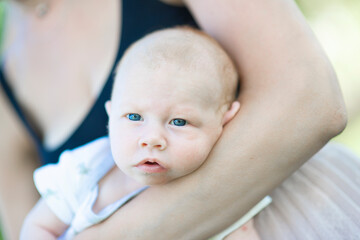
(185, 110)
(127, 105)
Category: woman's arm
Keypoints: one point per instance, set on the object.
(18, 160)
(291, 106)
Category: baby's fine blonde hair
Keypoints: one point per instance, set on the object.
(189, 49)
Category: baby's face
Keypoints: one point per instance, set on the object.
(161, 125)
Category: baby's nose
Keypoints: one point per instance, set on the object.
(154, 142)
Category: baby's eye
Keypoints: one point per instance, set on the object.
(178, 122)
(134, 117)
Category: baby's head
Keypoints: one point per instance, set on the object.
(174, 91)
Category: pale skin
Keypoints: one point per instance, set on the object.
(291, 106)
(153, 145)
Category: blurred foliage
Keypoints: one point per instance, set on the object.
(2, 15)
(312, 8)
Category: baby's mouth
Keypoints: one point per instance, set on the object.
(150, 166)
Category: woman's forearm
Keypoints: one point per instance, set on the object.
(291, 106)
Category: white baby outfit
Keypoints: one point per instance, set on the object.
(70, 188)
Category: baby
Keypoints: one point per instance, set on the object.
(174, 91)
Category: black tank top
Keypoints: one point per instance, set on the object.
(139, 17)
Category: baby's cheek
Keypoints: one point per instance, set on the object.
(123, 144)
(194, 154)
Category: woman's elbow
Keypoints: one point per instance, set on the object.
(337, 119)
(321, 101)
(332, 109)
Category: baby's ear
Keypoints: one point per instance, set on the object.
(108, 107)
(234, 108)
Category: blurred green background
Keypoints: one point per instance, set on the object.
(336, 23)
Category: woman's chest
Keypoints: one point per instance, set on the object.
(58, 70)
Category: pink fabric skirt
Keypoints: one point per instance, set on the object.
(319, 201)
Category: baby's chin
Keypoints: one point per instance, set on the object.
(151, 180)
(154, 179)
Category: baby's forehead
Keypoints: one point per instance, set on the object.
(168, 78)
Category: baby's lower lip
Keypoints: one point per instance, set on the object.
(151, 167)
